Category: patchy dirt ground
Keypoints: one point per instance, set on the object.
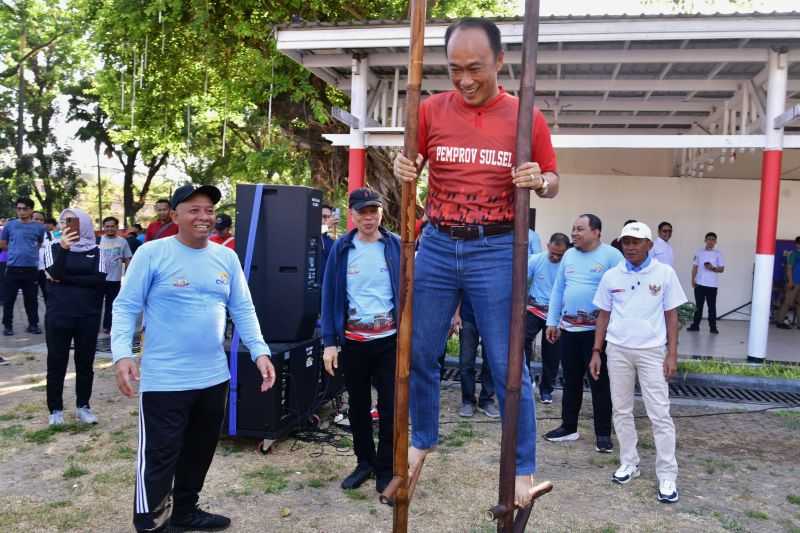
(738, 473)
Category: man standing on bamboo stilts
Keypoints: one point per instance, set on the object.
(467, 136)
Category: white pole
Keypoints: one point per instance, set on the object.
(768, 208)
(396, 93)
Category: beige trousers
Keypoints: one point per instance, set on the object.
(791, 298)
(624, 365)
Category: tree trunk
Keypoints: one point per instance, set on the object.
(127, 156)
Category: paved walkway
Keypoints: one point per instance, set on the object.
(731, 343)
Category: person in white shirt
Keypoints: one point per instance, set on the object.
(662, 249)
(638, 301)
(707, 264)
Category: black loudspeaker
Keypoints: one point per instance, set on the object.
(285, 274)
(297, 393)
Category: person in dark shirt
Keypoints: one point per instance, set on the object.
(133, 237)
(76, 269)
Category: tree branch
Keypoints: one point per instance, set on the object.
(12, 71)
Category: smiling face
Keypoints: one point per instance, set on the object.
(583, 236)
(665, 232)
(473, 66)
(555, 251)
(110, 228)
(195, 217)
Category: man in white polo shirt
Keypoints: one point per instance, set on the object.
(638, 301)
(662, 249)
(707, 264)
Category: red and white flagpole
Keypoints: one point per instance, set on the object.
(357, 155)
(778, 66)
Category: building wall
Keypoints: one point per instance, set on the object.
(694, 206)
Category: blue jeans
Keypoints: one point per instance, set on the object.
(466, 365)
(481, 268)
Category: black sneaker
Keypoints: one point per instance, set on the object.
(8, 332)
(783, 325)
(714, 331)
(363, 472)
(693, 328)
(36, 330)
(561, 434)
(604, 444)
(197, 519)
(3, 362)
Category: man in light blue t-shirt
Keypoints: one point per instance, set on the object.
(542, 270)
(571, 318)
(22, 237)
(184, 286)
(359, 317)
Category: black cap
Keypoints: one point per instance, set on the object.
(223, 221)
(183, 193)
(363, 197)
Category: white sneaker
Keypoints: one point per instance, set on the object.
(625, 473)
(56, 418)
(667, 491)
(85, 415)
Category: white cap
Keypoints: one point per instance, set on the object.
(637, 230)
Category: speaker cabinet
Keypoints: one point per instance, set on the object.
(297, 393)
(285, 276)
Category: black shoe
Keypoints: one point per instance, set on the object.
(8, 332)
(755, 360)
(3, 362)
(197, 519)
(604, 444)
(561, 434)
(36, 330)
(357, 478)
(783, 325)
(382, 481)
(714, 331)
(693, 328)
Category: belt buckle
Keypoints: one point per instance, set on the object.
(457, 232)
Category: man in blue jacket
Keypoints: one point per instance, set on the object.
(359, 317)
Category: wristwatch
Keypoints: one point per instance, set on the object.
(545, 186)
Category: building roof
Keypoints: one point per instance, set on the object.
(649, 73)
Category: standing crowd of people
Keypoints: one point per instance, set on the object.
(606, 311)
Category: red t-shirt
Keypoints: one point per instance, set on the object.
(470, 153)
(228, 241)
(155, 226)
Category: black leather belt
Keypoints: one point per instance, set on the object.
(467, 232)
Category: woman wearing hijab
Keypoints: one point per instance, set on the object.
(75, 291)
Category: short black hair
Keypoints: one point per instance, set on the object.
(114, 219)
(489, 28)
(51, 220)
(665, 223)
(40, 212)
(629, 221)
(559, 238)
(24, 200)
(328, 207)
(594, 221)
(711, 234)
(138, 226)
(163, 201)
(797, 240)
